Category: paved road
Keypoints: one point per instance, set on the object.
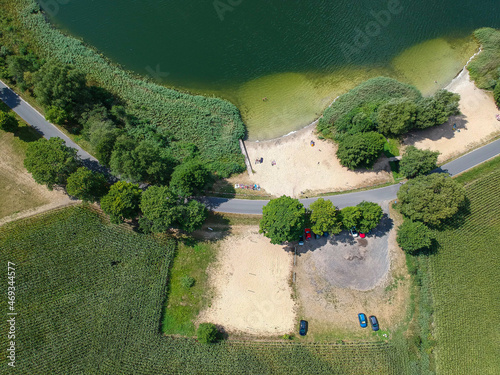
(243, 206)
(45, 128)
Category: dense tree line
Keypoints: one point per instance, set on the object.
(284, 219)
(381, 107)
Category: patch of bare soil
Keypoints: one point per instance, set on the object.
(251, 282)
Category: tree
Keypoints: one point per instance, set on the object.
(50, 161)
(371, 214)
(436, 110)
(360, 150)
(122, 201)
(207, 333)
(431, 199)
(8, 122)
(283, 219)
(165, 209)
(189, 178)
(60, 86)
(324, 217)
(397, 116)
(87, 185)
(416, 162)
(414, 236)
(351, 216)
(143, 161)
(56, 115)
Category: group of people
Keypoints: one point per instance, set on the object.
(261, 160)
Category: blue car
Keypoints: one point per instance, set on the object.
(374, 322)
(303, 328)
(362, 320)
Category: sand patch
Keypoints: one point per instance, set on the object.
(475, 126)
(251, 282)
(302, 169)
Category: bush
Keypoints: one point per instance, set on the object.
(187, 281)
(207, 333)
(360, 150)
(8, 122)
(416, 162)
(414, 236)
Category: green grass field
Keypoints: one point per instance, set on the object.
(90, 295)
(465, 283)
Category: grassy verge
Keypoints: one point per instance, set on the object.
(184, 302)
(480, 171)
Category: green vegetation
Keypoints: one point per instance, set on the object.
(385, 106)
(87, 185)
(365, 216)
(35, 57)
(8, 122)
(184, 302)
(431, 199)
(479, 171)
(324, 217)
(122, 201)
(189, 178)
(416, 162)
(485, 68)
(102, 310)
(207, 333)
(51, 162)
(283, 220)
(463, 275)
(414, 236)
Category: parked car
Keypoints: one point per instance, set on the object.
(353, 231)
(374, 322)
(362, 235)
(362, 320)
(303, 328)
(317, 236)
(301, 240)
(326, 234)
(308, 234)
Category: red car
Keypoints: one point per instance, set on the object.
(308, 234)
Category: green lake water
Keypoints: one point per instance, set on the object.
(299, 55)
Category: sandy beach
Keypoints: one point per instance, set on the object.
(301, 169)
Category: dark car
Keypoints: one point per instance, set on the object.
(362, 320)
(303, 328)
(326, 234)
(374, 322)
(308, 234)
(301, 240)
(317, 236)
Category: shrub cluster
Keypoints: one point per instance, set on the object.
(381, 107)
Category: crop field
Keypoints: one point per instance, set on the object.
(89, 298)
(465, 285)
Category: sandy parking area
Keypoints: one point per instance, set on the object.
(338, 278)
(477, 124)
(251, 281)
(301, 168)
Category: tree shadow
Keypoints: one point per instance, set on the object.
(458, 220)
(9, 97)
(446, 130)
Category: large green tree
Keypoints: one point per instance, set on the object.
(122, 201)
(371, 214)
(87, 185)
(397, 116)
(189, 178)
(351, 216)
(8, 122)
(324, 217)
(283, 219)
(436, 110)
(165, 209)
(141, 162)
(431, 199)
(50, 161)
(360, 150)
(414, 236)
(416, 162)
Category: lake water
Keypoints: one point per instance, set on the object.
(298, 54)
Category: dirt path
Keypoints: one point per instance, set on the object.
(251, 281)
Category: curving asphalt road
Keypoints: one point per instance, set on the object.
(243, 206)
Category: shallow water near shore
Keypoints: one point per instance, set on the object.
(299, 56)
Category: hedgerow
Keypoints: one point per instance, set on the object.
(90, 298)
(213, 125)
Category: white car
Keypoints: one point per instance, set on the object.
(353, 231)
